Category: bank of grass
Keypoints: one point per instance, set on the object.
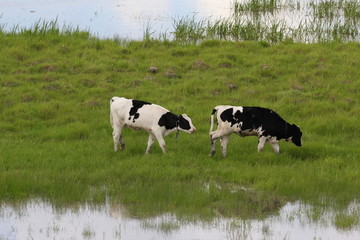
(56, 141)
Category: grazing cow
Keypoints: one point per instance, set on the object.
(264, 123)
(152, 118)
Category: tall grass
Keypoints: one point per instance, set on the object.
(43, 27)
(257, 20)
(255, 6)
(189, 30)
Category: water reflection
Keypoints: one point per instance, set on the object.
(108, 18)
(300, 20)
(40, 220)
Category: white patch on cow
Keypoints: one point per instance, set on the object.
(271, 139)
(235, 109)
(251, 132)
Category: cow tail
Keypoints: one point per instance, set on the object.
(111, 116)
(212, 119)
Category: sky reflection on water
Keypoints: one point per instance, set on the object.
(39, 220)
(109, 18)
(127, 19)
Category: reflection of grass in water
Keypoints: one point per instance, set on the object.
(166, 224)
(346, 221)
(88, 232)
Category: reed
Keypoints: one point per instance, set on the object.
(189, 30)
(327, 21)
(255, 6)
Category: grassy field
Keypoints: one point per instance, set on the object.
(56, 141)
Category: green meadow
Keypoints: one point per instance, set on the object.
(56, 139)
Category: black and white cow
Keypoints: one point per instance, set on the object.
(264, 123)
(152, 118)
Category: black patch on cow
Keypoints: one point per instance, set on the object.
(252, 118)
(183, 123)
(169, 120)
(227, 116)
(136, 106)
(270, 122)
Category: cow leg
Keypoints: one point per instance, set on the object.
(159, 137)
(224, 141)
(213, 149)
(150, 142)
(122, 143)
(261, 144)
(276, 147)
(213, 136)
(117, 137)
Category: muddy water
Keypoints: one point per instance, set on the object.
(40, 220)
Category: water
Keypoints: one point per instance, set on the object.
(127, 19)
(109, 18)
(39, 220)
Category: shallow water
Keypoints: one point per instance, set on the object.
(40, 220)
(108, 18)
(126, 18)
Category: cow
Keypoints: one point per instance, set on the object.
(264, 123)
(152, 118)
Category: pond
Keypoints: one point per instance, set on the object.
(40, 220)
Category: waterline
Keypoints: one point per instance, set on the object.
(40, 220)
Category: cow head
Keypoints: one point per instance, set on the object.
(295, 135)
(185, 124)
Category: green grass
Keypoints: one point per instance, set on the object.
(56, 141)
